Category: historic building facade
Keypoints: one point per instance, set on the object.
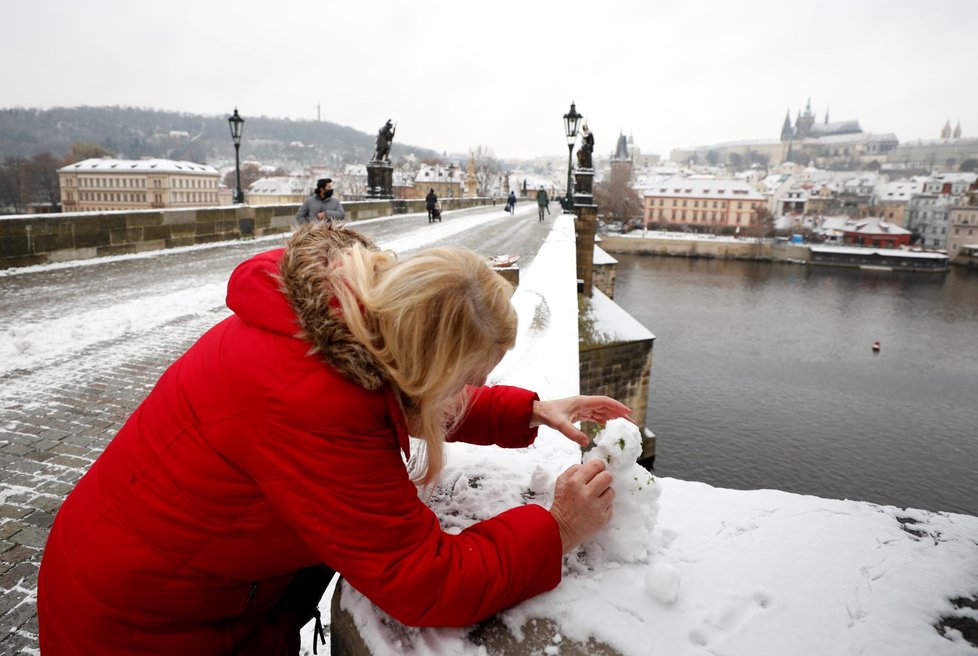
(702, 204)
(105, 184)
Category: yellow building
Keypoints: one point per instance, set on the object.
(701, 203)
(104, 184)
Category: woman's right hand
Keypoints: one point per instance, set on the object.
(583, 502)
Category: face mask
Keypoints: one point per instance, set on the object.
(327, 193)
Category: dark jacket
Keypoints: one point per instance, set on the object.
(430, 200)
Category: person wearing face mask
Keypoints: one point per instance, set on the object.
(321, 205)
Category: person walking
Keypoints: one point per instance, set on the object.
(431, 203)
(543, 202)
(321, 205)
(511, 203)
(275, 453)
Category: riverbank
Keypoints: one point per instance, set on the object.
(725, 247)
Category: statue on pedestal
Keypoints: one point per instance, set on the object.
(587, 147)
(385, 137)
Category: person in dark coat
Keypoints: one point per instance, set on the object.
(321, 205)
(543, 202)
(431, 202)
(511, 202)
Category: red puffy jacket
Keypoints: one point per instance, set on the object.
(251, 459)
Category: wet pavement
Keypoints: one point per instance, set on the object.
(86, 342)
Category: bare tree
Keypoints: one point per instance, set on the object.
(616, 198)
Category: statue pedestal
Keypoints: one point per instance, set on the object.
(380, 180)
(583, 181)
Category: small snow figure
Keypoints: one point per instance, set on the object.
(628, 536)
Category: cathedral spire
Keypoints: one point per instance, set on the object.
(946, 130)
(786, 131)
(957, 131)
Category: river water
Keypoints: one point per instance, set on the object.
(763, 376)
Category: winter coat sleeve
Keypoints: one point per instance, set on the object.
(302, 216)
(343, 486)
(498, 415)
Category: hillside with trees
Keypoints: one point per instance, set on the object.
(129, 132)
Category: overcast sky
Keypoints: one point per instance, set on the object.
(455, 75)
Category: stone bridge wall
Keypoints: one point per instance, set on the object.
(43, 238)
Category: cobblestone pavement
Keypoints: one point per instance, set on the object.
(59, 413)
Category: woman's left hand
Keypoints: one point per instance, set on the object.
(561, 414)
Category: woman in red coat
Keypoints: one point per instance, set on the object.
(275, 451)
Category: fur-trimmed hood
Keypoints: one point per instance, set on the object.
(304, 278)
(288, 291)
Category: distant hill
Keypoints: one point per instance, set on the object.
(130, 132)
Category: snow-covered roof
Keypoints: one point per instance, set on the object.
(109, 164)
(603, 257)
(721, 188)
(901, 190)
(870, 225)
(278, 186)
(612, 324)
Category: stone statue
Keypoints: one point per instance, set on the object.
(587, 147)
(385, 136)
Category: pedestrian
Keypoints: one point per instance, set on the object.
(543, 202)
(275, 453)
(321, 204)
(511, 203)
(430, 202)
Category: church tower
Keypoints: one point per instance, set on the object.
(803, 126)
(946, 130)
(957, 131)
(786, 131)
(621, 163)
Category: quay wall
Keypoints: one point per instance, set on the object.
(720, 249)
(44, 238)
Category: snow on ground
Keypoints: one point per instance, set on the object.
(30, 342)
(694, 569)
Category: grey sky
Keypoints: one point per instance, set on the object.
(454, 75)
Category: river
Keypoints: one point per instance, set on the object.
(764, 376)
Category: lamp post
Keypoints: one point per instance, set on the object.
(571, 121)
(236, 123)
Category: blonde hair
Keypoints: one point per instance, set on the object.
(433, 322)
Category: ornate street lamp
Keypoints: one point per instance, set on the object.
(237, 123)
(571, 121)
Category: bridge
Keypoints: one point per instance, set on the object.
(85, 340)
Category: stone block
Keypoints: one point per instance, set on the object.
(179, 217)
(109, 222)
(72, 254)
(144, 219)
(119, 249)
(125, 235)
(492, 635)
(89, 239)
(13, 246)
(156, 232)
